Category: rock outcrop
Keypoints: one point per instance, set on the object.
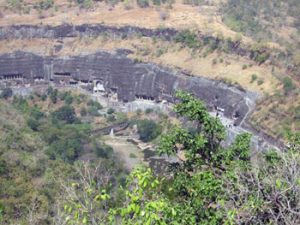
(94, 30)
(125, 78)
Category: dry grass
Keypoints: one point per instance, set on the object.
(276, 115)
(203, 18)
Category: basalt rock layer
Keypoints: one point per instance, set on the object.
(94, 30)
(127, 79)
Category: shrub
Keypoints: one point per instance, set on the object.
(262, 57)
(3, 169)
(6, 93)
(33, 124)
(93, 111)
(253, 77)
(65, 113)
(148, 130)
(36, 113)
(95, 104)
(193, 2)
(44, 97)
(21, 104)
(142, 3)
(297, 113)
(132, 155)
(15, 4)
(260, 81)
(188, 38)
(149, 110)
(53, 96)
(110, 111)
(156, 2)
(288, 85)
(111, 118)
(244, 67)
(103, 151)
(85, 3)
(67, 97)
(45, 4)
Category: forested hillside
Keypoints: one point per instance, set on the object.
(42, 183)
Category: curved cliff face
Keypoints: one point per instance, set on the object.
(128, 79)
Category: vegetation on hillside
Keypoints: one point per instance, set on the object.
(211, 185)
(43, 180)
(42, 139)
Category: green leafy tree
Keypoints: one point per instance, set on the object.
(65, 113)
(148, 130)
(209, 185)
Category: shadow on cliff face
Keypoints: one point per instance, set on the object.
(125, 78)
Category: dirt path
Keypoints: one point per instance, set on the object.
(130, 154)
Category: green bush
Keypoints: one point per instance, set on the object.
(156, 2)
(111, 118)
(93, 111)
(44, 97)
(36, 113)
(288, 85)
(253, 77)
(53, 94)
(45, 4)
(65, 141)
(67, 97)
(143, 3)
(110, 111)
(148, 130)
(132, 155)
(103, 151)
(193, 2)
(95, 104)
(188, 38)
(15, 4)
(21, 104)
(148, 110)
(65, 113)
(33, 124)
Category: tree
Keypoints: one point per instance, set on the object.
(33, 124)
(203, 143)
(102, 150)
(148, 130)
(86, 199)
(210, 184)
(65, 113)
